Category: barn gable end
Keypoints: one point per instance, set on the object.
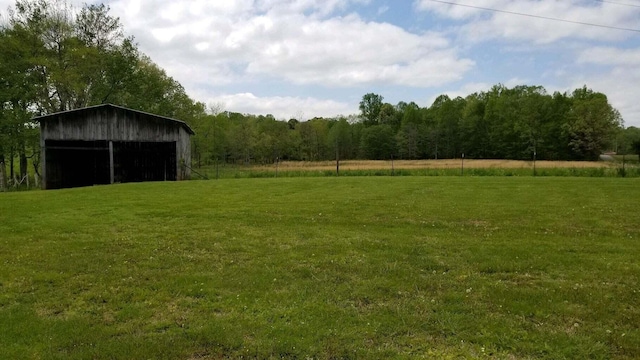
(107, 144)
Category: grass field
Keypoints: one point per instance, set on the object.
(323, 268)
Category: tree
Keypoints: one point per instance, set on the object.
(591, 123)
(272, 140)
(554, 133)
(474, 127)
(77, 59)
(378, 142)
(339, 139)
(408, 139)
(17, 134)
(313, 139)
(210, 143)
(293, 123)
(628, 141)
(531, 105)
(444, 118)
(635, 146)
(370, 108)
(388, 115)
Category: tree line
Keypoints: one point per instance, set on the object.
(502, 123)
(55, 58)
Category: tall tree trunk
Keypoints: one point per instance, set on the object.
(11, 158)
(36, 170)
(23, 162)
(3, 176)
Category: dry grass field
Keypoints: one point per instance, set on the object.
(444, 167)
(432, 164)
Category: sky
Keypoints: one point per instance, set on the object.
(307, 58)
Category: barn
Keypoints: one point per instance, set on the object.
(108, 144)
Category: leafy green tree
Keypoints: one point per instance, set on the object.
(242, 138)
(628, 140)
(293, 123)
(591, 123)
(474, 128)
(272, 141)
(502, 111)
(444, 117)
(370, 108)
(389, 116)
(554, 134)
(378, 142)
(409, 140)
(17, 95)
(313, 139)
(71, 56)
(210, 143)
(512, 121)
(340, 139)
(534, 106)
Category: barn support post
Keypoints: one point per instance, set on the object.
(43, 157)
(111, 169)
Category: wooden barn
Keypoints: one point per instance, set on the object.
(108, 144)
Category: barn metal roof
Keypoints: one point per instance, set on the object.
(180, 122)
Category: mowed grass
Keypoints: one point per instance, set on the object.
(355, 267)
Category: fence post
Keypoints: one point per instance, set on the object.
(393, 170)
(337, 158)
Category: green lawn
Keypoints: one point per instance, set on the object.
(353, 267)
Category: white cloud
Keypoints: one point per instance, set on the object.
(282, 107)
(479, 24)
(618, 82)
(347, 52)
(293, 41)
(610, 56)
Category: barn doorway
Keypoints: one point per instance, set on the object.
(85, 163)
(144, 161)
(76, 163)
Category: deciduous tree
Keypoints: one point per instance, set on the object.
(370, 108)
(591, 123)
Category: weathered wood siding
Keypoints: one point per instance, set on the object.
(110, 123)
(117, 124)
(183, 152)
